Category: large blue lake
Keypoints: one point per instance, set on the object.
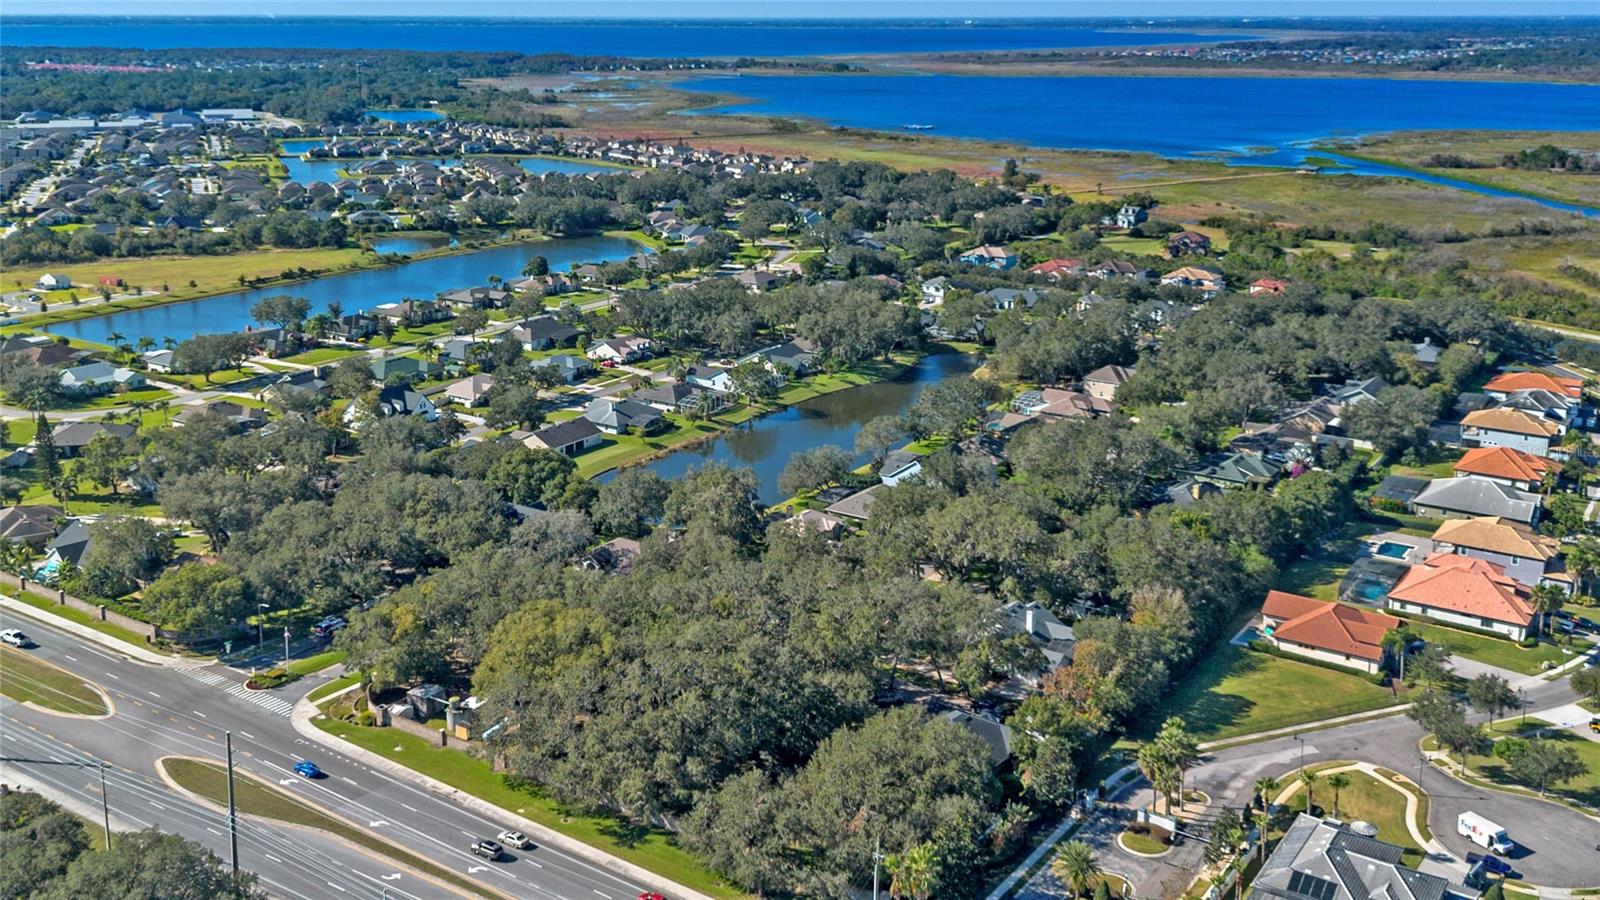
(307, 171)
(355, 291)
(1172, 116)
(649, 39)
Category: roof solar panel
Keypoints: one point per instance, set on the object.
(1312, 886)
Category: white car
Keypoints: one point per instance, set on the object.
(14, 637)
(515, 839)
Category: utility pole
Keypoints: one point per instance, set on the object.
(877, 857)
(105, 805)
(286, 645)
(233, 816)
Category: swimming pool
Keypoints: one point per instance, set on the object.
(1393, 550)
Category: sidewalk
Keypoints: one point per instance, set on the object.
(84, 632)
(305, 711)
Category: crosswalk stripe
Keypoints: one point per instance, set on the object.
(265, 701)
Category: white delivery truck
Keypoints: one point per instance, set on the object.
(1484, 833)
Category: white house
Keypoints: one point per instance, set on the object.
(49, 282)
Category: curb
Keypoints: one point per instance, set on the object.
(132, 651)
(301, 718)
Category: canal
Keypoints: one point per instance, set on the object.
(766, 444)
(354, 291)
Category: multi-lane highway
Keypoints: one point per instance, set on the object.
(162, 712)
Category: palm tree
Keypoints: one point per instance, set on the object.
(64, 488)
(1266, 786)
(1338, 781)
(1263, 820)
(1155, 767)
(1396, 640)
(1181, 749)
(1076, 866)
(146, 344)
(1547, 598)
(912, 873)
(1309, 779)
(115, 338)
(169, 342)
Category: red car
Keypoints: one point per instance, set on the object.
(608, 364)
(651, 895)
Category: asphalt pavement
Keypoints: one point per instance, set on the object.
(162, 712)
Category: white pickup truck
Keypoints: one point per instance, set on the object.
(1484, 833)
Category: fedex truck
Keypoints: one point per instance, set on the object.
(1484, 833)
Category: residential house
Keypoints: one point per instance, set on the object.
(1268, 286)
(568, 438)
(623, 416)
(1507, 383)
(1002, 299)
(571, 369)
(621, 349)
(820, 522)
(237, 414)
(1471, 496)
(1465, 590)
(989, 256)
(412, 312)
(50, 282)
(900, 465)
(995, 735)
(70, 546)
(470, 391)
(792, 358)
(1055, 403)
(934, 289)
(1520, 470)
(459, 351)
(475, 298)
(615, 556)
(69, 438)
(1513, 428)
(857, 506)
(1053, 637)
(1129, 216)
(158, 360)
(681, 396)
(1229, 470)
(544, 333)
(755, 280)
(1185, 243)
(1522, 553)
(1327, 632)
(1320, 859)
(396, 400)
(100, 378)
(1102, 383)
(1208, 282)
(710, 378)
(354, 327)
(303, 382)
(34, 526)
(1056, 269)
(1117, 268)
(1358, 391)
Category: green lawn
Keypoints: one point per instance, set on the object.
(652, 849)
(256, 798)
(315, 663)
(82, 618)
(1503, 653)
(337, 684)
(1367, 800)
(24, 677)
(1236, 691)
(1585, 789)
(321, 355)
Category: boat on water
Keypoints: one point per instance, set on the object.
(919, 127)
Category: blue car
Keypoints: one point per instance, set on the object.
(308, 769)
(1492, 865)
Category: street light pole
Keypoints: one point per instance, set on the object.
(877, 857)
(286, 645)
(105, 805)
(233, 816)
(1302, 742)
(261, 623)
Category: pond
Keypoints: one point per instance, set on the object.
(355, 291)
(404, 115)
(766, 444)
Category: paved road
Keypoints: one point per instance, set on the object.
(162, 712)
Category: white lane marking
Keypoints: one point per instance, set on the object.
(154, 694)
(336, 887)
(410, 807)
(247, 735)
(601, 893)
(157, 805)
(271, 857)
(198, 713)
(70, 656)
(109, 675)
(215, 832)
(467, 833)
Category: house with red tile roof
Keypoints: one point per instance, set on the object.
(1328, 632)
(1268, 286)
(1055, 269)
(1507, 465)
(1507, 383)
(1464, 590)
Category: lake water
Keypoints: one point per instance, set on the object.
(766, 444)
(1171, 116)
(355, 291)
(307, 171)
(405, 115)
(636, 38)
(408, 244)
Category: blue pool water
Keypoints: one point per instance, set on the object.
(1392, 550)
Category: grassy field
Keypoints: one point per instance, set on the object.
(1370, 801)
(1503, 653)
(337, 684)
(24, 677)
(211, 274)
(654, 850)
(253, 797)
(1414, 148)
(1585, 789)
(306, 665)
(321, 355)
(1235, 692)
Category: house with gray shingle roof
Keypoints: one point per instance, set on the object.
(1472, 496)
(1319, 859)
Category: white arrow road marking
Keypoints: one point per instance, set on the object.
(473, 870)
(377, 823)
(286, 781)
